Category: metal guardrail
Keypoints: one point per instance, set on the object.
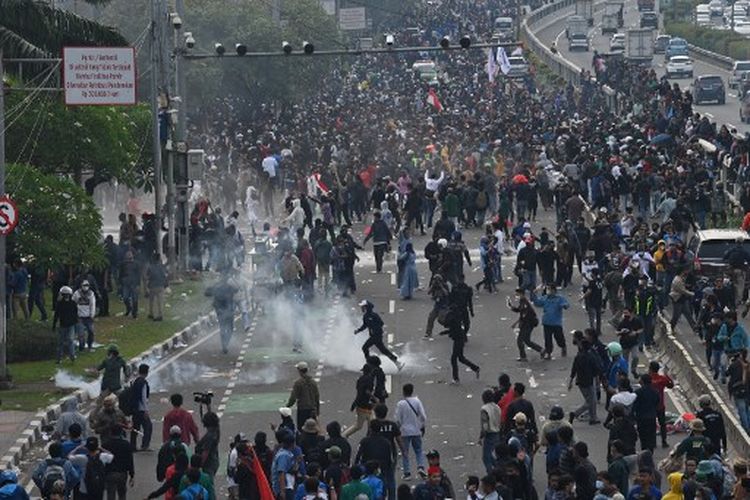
(722, 61)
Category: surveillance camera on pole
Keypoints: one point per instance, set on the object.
(286, 47)
(219, 48)
(445, 42)
(241, 49)
(176, 21)
(465, 42)
(189, 40)
(389, 40)
(308, 48)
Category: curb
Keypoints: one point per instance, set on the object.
(33, 432)
(695, 382)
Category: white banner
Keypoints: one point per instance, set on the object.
(99, 76)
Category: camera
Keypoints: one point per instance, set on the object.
(176, 21)
(203, 398)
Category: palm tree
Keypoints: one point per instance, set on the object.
(35, 29)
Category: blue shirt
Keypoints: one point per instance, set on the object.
(282, 462)
(376, 485)
(616, 367)
(21, 281)
(734, 341)
(552, 307)
(635, 492)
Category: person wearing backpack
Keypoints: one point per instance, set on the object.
(93, 466)
(55, 472)
(141, 419)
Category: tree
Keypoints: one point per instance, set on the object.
(35, 29)
(94, 143)
(59, 223)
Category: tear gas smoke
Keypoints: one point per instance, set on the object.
(66, 380)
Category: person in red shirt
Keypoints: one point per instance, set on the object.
(182, 418)
(660, 382)
(746, 222)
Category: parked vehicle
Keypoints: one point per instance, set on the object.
(617, 42)
(639, 46)
(745, 107)
(679, 67)
(649, 19)
(519, 67)
(739, 68)
(576, 24)
(579, 41)
(676, 47)
(707, 88)
(612, 17)
(646, 5)
(709, 247)
(716, 8)
(660, 44)
(504, 29)
(585, 9)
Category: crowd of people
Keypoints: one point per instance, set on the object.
(367, 147)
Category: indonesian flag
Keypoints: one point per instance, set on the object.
(319, 184)
(491, 66)
(432, 100)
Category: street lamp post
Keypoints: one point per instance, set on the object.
(5, 380)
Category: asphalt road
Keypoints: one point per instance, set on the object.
(254, 380)
(555, 32)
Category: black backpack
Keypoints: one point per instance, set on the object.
(125, 400)
(94, 477)
(54, 474)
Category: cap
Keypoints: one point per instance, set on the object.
(302, 365)
(556, 413)
(310, 426)
(285, 412)
(175, 431)
(334, 451)
(433, 454)
(113, 348)
(362, 303)
(704, 400)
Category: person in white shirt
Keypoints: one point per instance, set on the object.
(411, 417)
(80, 458)
(85, 299)
(431, 185)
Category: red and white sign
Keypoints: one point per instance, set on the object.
(8, 215)
(99, 76)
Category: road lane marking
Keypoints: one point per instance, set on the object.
(391, 306)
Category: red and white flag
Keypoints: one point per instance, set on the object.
(432, 100)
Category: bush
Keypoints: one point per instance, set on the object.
(724, 42)
(30, 341)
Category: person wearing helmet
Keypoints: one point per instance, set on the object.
(618, 367)
(112, 365)
(66, 313)
(85, 299)
(9, 487)
(372, 322)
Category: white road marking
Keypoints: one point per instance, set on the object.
(391, 306)
(393, 279)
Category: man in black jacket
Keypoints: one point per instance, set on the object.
(644, 410)
(121, 468)
(381, 237)
(714, 422)
(372, 322)
(66, 312)
(585, 371)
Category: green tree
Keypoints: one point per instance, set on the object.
(89, 142)
(34, 28)
(59, 223)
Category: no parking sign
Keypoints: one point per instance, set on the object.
(8, 215)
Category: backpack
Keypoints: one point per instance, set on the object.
(481, 200)
(94, 476)
(125, 401)
(53, 474)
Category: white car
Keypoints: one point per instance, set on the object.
(739, 68)
(617, 42)
(679, 67)
(519, 68)
(742, 28)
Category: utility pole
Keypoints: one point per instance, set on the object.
(5, 382)
(156, 69)
(181, 137)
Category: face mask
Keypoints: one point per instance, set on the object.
(599, 485)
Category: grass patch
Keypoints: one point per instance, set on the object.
(34, 380)
(724, 42)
